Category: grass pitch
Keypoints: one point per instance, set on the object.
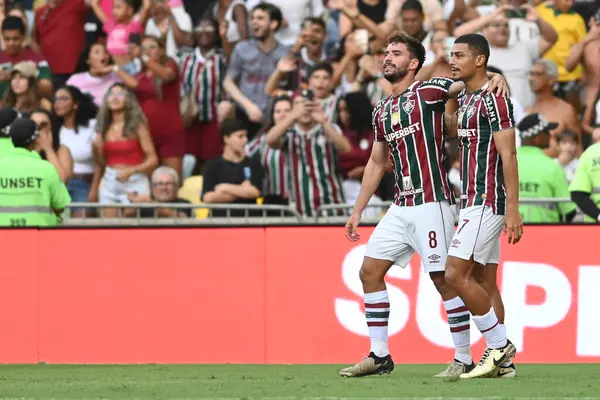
(283, 382)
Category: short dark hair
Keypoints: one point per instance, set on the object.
(412, 5)
(230, 126)
(271, 9)
(315, 21)
(495, 70)
(567, 134)
(321, 66)
(477, 43)
(415, 48)
(12, 23)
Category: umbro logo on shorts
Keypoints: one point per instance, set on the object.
(434, 258)
(455, 243)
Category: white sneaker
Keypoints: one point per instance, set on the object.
(491, 361)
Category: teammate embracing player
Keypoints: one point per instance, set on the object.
(410, 123)
(489, 201)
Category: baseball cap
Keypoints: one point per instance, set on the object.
(534, 124)
(7, 117)
(26, 68)
(23, 132)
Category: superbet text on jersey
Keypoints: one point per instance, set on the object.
(413, 126)
(480, 115)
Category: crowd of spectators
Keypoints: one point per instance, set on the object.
(269, 101)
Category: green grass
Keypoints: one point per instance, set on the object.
(284, 381)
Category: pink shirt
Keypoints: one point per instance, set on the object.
(106, 6)
(96, 87)
(176, 3)
(117, 42)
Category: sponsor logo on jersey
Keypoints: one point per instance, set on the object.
(402, 132)
(462, 132)
(491, 108)
(407, 183)
(411, 192)
(408, 106)
(440, 82)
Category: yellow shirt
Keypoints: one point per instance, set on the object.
(571, 30)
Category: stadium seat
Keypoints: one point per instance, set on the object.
(190, 191)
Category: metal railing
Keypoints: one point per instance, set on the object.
(238, 214)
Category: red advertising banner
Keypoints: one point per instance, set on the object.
(270, 295)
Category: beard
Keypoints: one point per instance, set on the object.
(396, 75)
(263, 34)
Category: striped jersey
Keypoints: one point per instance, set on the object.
(374, 91)
(330, 107)
(274, 165)
(480, 115)
(413, 126)
(203, 76)
(314, 175)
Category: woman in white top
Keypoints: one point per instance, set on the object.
(234, 15)
(75, 114)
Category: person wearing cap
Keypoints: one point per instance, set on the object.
(23, 93)
(539, 175)
(16, 51)
(31, 192)
(585, 186)
(7, 116)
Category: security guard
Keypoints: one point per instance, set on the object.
(585, 186)
(7, 116)
(31, 192)
(539, 175)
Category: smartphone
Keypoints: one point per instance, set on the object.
(515, 13)
(361, 37)
(308, 94)
(135, 38)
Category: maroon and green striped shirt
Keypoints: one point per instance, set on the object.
(313, 170)
(413, 126)
(274, 164)
(480, 115)
(203, 75)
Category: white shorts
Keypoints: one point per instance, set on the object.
(477, 235)
(426, 229)
(113, 190)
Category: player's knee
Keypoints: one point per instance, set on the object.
(439, 280)
(370, 275)
(453, 275)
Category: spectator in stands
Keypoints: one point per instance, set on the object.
(15, 51)
(296, 68)
(252, 63)
(157, 90)
(59, 30)
(232, 16)
(571, 30)
(539, 176)
(165, 182)
(275, 185)
(311, 144)
(381, 13)
(17, 10)
(345, 64)
(173, 25)
(568, 150)
(370, 80)
(121, 25)
(232, 178)
(517, 59)
(413, 18)
(202, 71)
(518, 110)
(124, 150)
(95, 73)
(49, 146)
(3, 10)
(542, 78)
(320, 85)
(23, 92)
(354, 118)
(75, 114)
(436, 61)
(293, 12)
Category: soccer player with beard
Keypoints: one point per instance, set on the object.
(410, 125)
(489, 200)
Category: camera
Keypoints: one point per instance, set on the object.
(307, 94)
